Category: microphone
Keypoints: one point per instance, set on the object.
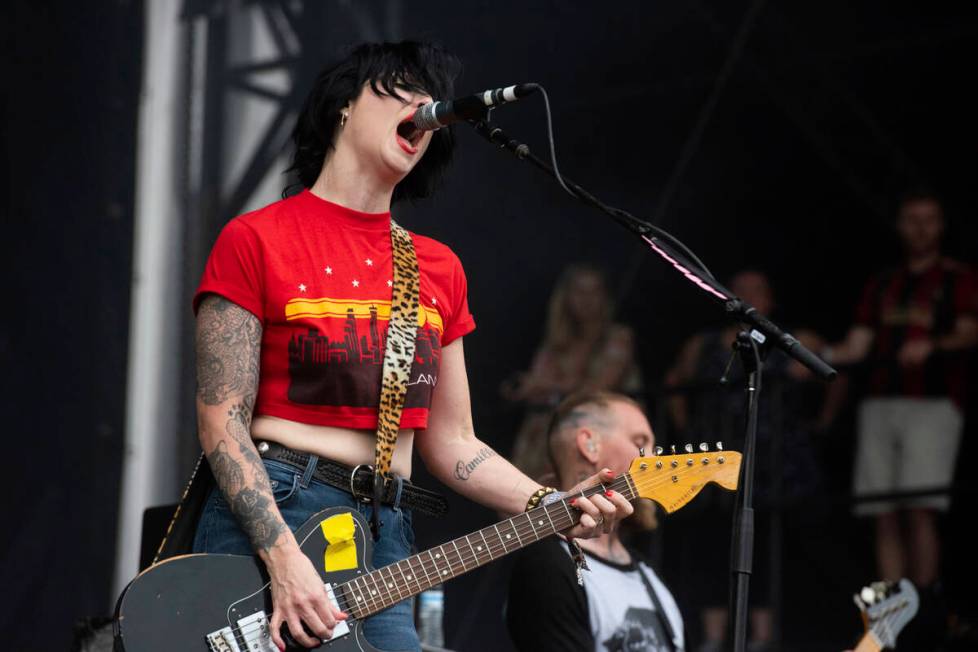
(436, 115)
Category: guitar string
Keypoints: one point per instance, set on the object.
(520, 529)
(372, 594)
(563, 520)
(466, 559)
(885, 624)
(375, 604)
(379, 603)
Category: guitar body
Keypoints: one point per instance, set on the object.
(175, 604)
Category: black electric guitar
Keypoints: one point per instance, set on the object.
(222, 603)
(886, 609)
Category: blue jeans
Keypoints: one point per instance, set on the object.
(298, 497)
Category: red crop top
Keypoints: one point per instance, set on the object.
(318, 276)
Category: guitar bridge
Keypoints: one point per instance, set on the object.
(222, 641)
(253, 632)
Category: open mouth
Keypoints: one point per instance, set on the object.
(408, 134)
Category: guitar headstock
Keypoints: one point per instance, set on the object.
(886, 608)
(674, 480)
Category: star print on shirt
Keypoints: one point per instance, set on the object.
(434, 301)
(390, 283)
(369, 262)
(356, 283)
(302, 287)
(328, 270)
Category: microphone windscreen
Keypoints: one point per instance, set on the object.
(426, 118)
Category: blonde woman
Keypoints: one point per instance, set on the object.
(583, 349)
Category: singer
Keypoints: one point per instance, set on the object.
(292, 329)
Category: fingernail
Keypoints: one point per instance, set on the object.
(609, 493)
(573, 502)
(343, 615)
(609, 472)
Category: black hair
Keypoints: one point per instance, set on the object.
(386, 67)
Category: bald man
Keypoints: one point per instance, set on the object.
(622, 604)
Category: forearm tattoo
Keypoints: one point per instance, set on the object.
(228, 353)
(463, 470)
(251, 503)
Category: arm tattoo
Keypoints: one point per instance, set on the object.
(463, 470)
(228, 351)
(227, 472)
(239, 427)
(252, 504)
(228, 357)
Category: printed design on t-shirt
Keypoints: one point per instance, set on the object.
(339, 360)
(640, 631)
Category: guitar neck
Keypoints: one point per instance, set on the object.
(868, 643)
(387, 586)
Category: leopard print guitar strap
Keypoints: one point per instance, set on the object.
(402, 329)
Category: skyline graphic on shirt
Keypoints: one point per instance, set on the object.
(343, 365)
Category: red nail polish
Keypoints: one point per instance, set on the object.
(573, 502)
(608, 493)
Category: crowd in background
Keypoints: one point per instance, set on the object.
(903, 363)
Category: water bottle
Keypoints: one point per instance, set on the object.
(431, 606)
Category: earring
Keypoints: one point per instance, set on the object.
(343, 116)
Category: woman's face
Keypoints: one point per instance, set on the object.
(586, 297)
(371, 131)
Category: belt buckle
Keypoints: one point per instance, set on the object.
(353, 491)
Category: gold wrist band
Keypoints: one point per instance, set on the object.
(537, 496)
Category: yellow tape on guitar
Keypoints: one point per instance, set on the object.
(341, 553)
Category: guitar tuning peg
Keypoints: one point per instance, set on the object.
(704, 446)
(673, 448)
(689, 448)
(641, 451)
(868, 595)
(658, 450)
(719, 445)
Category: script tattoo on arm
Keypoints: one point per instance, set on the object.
(463, 470)
(228, 355)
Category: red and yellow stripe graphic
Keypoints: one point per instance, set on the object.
(326, 308)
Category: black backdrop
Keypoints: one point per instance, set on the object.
(829, 111)
(68, 116)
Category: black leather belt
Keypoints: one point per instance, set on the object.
(358, 481)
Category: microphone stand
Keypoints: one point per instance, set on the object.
(752, 344)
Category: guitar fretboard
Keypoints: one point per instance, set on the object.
(387, 586)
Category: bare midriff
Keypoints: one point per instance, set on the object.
(346, 445)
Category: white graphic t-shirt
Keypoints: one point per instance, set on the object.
(548, 611)
(622, 615)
